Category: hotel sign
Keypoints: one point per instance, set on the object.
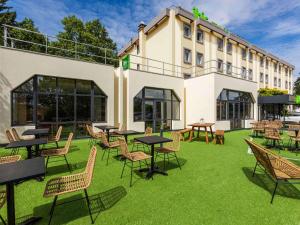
(126, 62)
(198, 14)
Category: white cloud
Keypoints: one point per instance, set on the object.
(285, 27)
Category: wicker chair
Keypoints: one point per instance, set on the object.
(59, 152)
(11, 139)
(170, 148)
(131, 158)
(291, 133)
(136, 145)
(219, 137)
(94, 137)
(2, 202)
(258, 128)
(9, 159)
(114, 136)
(72, 183)
(108, 146)
(272, 134)
(57, 136)
(16, 135)
(279, 169)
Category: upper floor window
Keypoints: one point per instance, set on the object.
(261, 77)
(279, 82)
(275, 67)
(275, 81)
(290, 86)
(187, 75)
(220, 65)
(244, 53)
(286, 71)
(220, 44)
(267, 79)
(187, 56)
(229, 68)
(279, 69)
(250, 56)
(250, 74)
(229, 47)
(244, 73)
(137, 49)
(187, 30)
(200, 35)
(261, 62)
(286, 85)
(199, 59)
(267, 64)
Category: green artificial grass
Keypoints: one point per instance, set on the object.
(215, 186)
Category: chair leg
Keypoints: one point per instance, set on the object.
(56, 144)
(67, 163)
(164, 161)
(52, 209)
(103, 154)
(47, 163)
(254, 169)
(3, 221)
(107, 157)
(131, 170)
(273, 195)
(123, 168)
(177, 160)
(88, 203)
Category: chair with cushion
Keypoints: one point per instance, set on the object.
(9, 159)
(72, 183)
(170, 149)
(59, 152)
(108, 146)
(136, 145)
(131, 158)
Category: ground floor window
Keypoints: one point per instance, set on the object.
(53, 101)
(157, 107)
(234, 105)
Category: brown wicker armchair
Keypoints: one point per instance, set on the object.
(72, 183)
(170, 148)
(279, 169)
(16, 135)
(59, 152)
(131, 158)
(272, 134)
(108, 146)
(2, 202)
(57, 136)
(258, 128)
(9, 159)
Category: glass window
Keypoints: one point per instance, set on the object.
(83, 110)
(229, 68)
(229, 47)
(250, 74)
(137, 109)
(66, 108)
(26, 87)
(261, 77)
(168, 94)
(187, 56)
(286, 71)
(220, 43)
(175, 110)
(66, 86)
(200, 35)
(267, 64)
(220, 65)
(46, 84)
(279, 82)
(233, 96)
(154, 93)
(261, 62)
(187, 31)
(267, 79)
(46, 108)
(244, 53)
(83, 87)
(279, 69)
(100, 109)
(275, 81)
(186, 75)
(22, 105)
(286, 85)
(199, 59)
(275, 67)
(244, 73)
(250, 56)
(149, 110)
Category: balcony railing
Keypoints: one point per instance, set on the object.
(19, 38)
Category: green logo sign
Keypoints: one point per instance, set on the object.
(297, 99)
(126, 62)
(198, 14)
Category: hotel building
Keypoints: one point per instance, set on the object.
(177, 70)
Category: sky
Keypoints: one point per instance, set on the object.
(273, 25)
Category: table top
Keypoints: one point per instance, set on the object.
(151, 140)
(26, 143)
(126, 132)
(293, 129)
(21, 170)
(106, 127)
(36, 131)
(201, 124)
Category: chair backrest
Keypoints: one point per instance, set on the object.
(175, 144)
(68, 143)
(104, 139)
(9, 136)
(15, 134)
(88, 128)
(124, 148)
(148, 131)
(89, 169)
(58, 133)
(220, 132)
(2, 198)
(9, 159)
(122, 127)
(272, 132)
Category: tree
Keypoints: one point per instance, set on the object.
(297, 86)
(86, 41)
(6, 16)
(271, 92)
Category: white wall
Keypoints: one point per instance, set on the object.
(137, 80)
(17, 66)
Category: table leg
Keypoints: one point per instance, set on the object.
(206, 135)
(211, 132)
(107, 132)
(29, 152)
(126, 138)
(191, 134)
(10, 195)
(198, 132)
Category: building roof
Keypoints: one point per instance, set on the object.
(182, 12)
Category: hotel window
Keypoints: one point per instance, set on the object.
(187, 75)
(229, 48)
(261, 77)
(275, 81)
(187, 30)
(199, 59)
(244, 73)
(286, 85)
(279, 69)
(200, 36)
(250, 56)
(187, 56)
(244, 54)
(220, 65)
(279, 82)
(220, 43)
(261, 62)
(229, 68)
(250, 74)
(137, 49)
(52, 101)
(275, 67)
(267, 64)
(267, 79)
(290, 86)
(234, 105)
(286, 72)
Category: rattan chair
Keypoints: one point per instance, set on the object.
(131, 158)
(57, 136)
(94, 137)
(170, 148)
(279, 169)
(72, 183)
(16, 135)
(59, 152)
(272, 134)
(11, 139)
(2, 202)
(219, 137)
(292, 133)
(258, 128)
(108, 146)
(136, 145)
(9, 159)
(115, 136)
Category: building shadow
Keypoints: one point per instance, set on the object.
(262, 180)
(74, 207)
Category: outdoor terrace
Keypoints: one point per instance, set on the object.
(215, 186)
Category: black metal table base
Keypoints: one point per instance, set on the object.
(152, 172)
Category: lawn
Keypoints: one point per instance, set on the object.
(215, 186)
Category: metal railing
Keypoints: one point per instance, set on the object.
(23, 39)
(211, 66)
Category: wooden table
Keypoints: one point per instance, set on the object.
(199, 126)
(10, 173)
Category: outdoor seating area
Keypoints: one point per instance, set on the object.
(183, 172)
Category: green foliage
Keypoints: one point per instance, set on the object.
(271, 92)
(6, 15)
(297, 86)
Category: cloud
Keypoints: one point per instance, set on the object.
(284, 28)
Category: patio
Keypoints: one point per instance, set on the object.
(215, 186)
